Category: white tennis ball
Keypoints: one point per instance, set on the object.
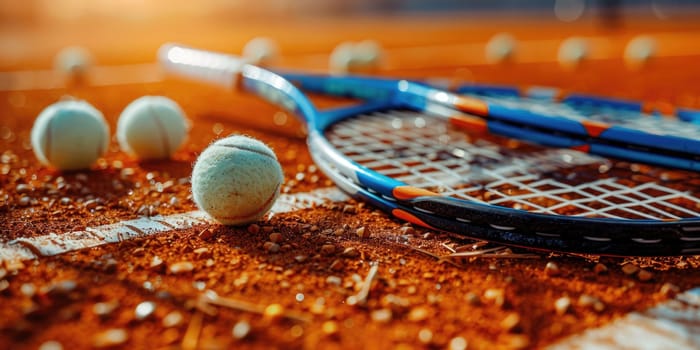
(572, 52)
(341, 57)
(500, 48)
(69, 135)
(351, 56)
(367, 53)
(236, 180)
(73, 61)
(261, 50)
(640, 50)
(152, 127)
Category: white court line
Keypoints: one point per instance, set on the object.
(54, 244)
(14, 252)
(674, 324)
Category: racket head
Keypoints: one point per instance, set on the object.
(539, 242)
(638, 213)
(563, 193)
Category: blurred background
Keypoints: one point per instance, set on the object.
(565, 10)
(414, 34)
(122, 31)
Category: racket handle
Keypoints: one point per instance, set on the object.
(210, 67)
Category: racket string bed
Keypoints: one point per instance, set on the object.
(494, 233)
(558, 182)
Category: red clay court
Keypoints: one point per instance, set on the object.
(118, 255)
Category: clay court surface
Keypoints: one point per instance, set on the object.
(345, 275)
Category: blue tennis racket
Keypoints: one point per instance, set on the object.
(423, 155)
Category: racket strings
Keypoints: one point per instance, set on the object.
(426, 152)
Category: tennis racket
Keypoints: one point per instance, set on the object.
(399, 149)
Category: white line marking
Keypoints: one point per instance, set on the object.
(674, 324)
(12, 252)
(306, 200)
(54, 244)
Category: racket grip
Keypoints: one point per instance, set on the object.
(205, 66)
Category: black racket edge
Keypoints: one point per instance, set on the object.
(558, 225)
(539, 241)
(514, 238)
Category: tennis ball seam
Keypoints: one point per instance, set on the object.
(258, 210)
(152, 127)
(242, 148)
(161, 129)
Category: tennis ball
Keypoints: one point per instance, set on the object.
(340, 60)
(236, 180)
(367, 53)
(261, 50)
(73, 61)
(152, 127)
(639, 51)
(572, 52)
(69, 135)
(350, 56)
(500, 48)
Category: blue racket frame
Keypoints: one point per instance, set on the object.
(590, 105)
(542, 242)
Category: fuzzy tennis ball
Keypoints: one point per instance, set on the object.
(73, 61)
(572, 52)
(152, 127)
(236, 180)
(367, 54)
(69, 135)
(261, 50)
(500, 48)
(350, 56)
(340, 60)
(639, 51)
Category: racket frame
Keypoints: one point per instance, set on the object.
(384, 94)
